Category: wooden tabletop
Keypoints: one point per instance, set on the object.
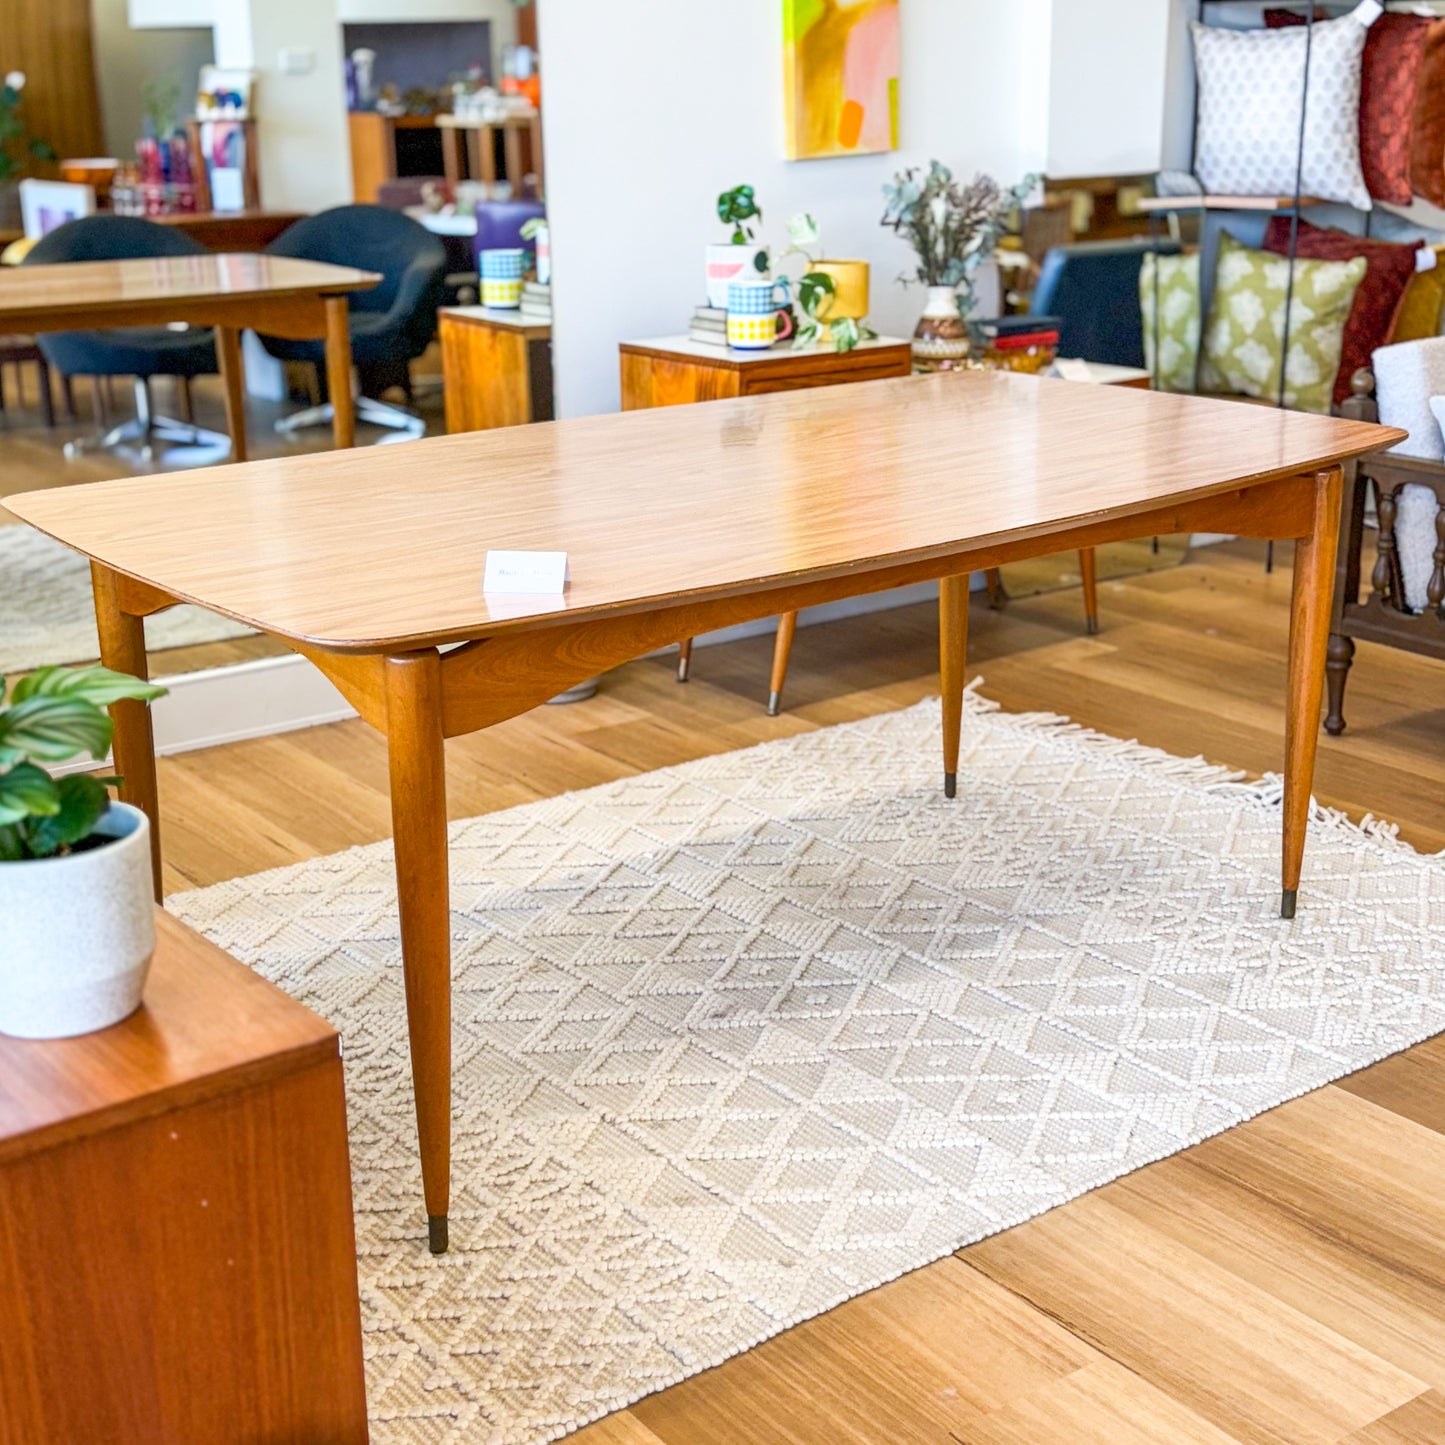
(500, 320)
(380, 550)
(87, 288)
(668, 348)
(205, 1022)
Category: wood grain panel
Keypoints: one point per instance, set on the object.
(177, 1253)
(1158, 1307)
(658, 381)
(486, 376)
(373, 154)
(51, 42)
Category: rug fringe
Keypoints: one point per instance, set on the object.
(1266, 792)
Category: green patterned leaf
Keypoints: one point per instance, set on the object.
(51, 729)
(25, 792)
(83, 802)
(98, 686)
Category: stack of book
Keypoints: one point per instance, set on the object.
(537, 301)
(1021, 333)
(709, 324)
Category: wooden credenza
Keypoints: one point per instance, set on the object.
(674, 369)
(496, 368)
(177, 1254)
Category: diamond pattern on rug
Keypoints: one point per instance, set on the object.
(739, 1039)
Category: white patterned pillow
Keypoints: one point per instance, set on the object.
(1250, 85)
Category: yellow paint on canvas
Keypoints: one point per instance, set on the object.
(841, 71)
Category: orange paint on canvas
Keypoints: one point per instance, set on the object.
(842, 76)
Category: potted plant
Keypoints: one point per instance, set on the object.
(952, 228)
(18, 149)
(75, 868)
(740, 254)
(832, 295)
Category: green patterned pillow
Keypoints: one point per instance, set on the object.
(1245, 333)
(1178, 319)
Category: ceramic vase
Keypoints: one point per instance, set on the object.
(940, 340)
(79, 931)
(727, 263)
(850, 293)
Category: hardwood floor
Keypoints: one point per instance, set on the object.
(1283, 1282)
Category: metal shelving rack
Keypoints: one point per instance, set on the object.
(1291, 205)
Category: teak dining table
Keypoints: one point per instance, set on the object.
(279, 295)
(676, 522)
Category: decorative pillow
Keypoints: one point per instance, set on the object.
(1250, 86)
(1178, 326)
(1245, 333)
(1407, 375)
(1389, 77)
(1423, 303)
(1389, 268)
(1427, 140)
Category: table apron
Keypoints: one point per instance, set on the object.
(491, 679)
(298, 317)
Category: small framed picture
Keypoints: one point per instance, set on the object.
(44, 205)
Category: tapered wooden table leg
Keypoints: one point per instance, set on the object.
(133, 749)
(419, 826)
(1089, 570)
(1314, 562)
(952, 655)
(684, 659)
(338, 371)
(782, 651)
(233, 383)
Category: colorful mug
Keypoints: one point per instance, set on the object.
(502, 272)
(754, 304)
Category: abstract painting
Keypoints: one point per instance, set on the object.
(841, 69)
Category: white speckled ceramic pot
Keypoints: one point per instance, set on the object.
(77, 933)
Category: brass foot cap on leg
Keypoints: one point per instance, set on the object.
(1287, 902)
(436, 1230)
(1091, 626)
(775, 701)
(950, 785)
(682, 668)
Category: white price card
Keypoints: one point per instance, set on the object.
(532, 573)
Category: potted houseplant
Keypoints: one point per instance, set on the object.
(18, 149)
(75, 867)
(952, 228)
(740, 254)
(832, 295)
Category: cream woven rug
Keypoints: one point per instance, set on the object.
(739, 1039)
(47, 614)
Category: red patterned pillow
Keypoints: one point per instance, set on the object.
(1389, 87)
(1427, 141)
(1389, 268)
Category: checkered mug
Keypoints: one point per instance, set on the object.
(754, 305)
(502, 271)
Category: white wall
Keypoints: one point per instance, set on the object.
(126, 58)
(651, 107)
(305, 153)
(1107, 86)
